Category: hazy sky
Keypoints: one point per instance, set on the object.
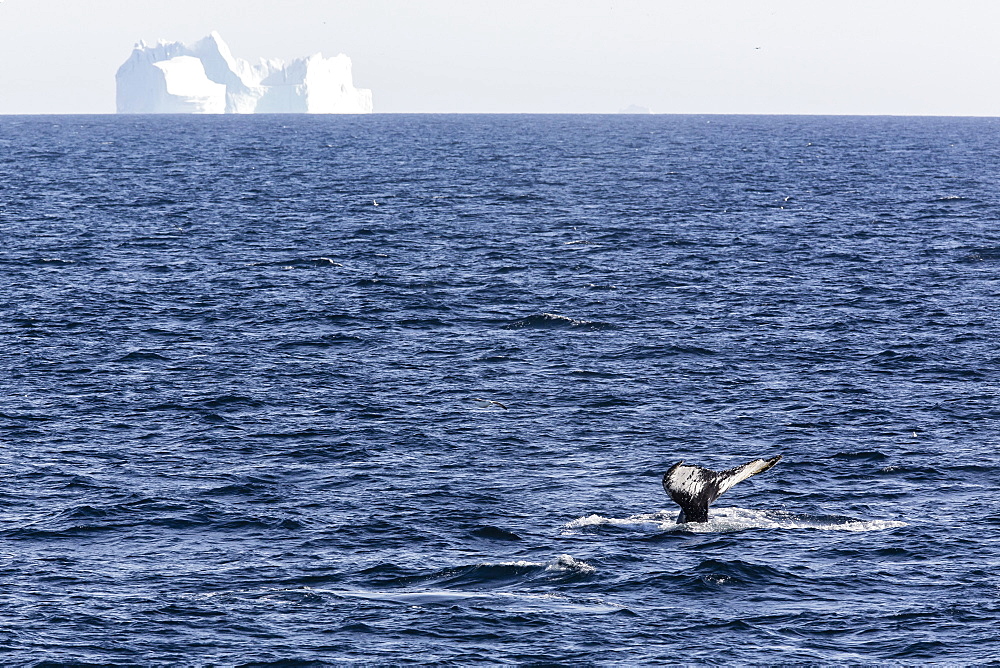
(692, 56)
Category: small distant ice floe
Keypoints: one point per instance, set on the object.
(635, 109)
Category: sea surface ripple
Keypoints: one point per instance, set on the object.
(400, 389)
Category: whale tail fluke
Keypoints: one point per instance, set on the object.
(694, 488)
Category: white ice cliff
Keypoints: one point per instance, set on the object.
(205, 78)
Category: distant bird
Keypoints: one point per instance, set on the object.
(374, 203)
(694, 488)
(490, 401)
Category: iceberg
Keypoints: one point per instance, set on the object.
(205, 78)
(635, 109)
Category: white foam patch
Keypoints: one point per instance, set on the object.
(564, 562)
(517, 564)
(734, 519)
(556, 319)
(660, 521)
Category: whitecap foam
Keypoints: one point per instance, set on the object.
(734, 519)
(555, 321)
(658, 521)
(565, 562)
(516, 564)
(737, 519)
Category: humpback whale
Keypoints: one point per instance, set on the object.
(694, 488)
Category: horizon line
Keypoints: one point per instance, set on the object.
(528, 113)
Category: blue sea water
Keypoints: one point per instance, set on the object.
(401, 389)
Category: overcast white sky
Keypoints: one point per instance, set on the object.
(691, 56)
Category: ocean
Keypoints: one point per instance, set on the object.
(400, 389)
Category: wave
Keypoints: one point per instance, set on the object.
(464, 585)
(494, 533)
(553, 321)
(299, 262)
(562, 568)
(143, 356)
(125, 517)
(508, 601)
(724, 520)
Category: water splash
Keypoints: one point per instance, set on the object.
(565, 562)
(724, 520)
